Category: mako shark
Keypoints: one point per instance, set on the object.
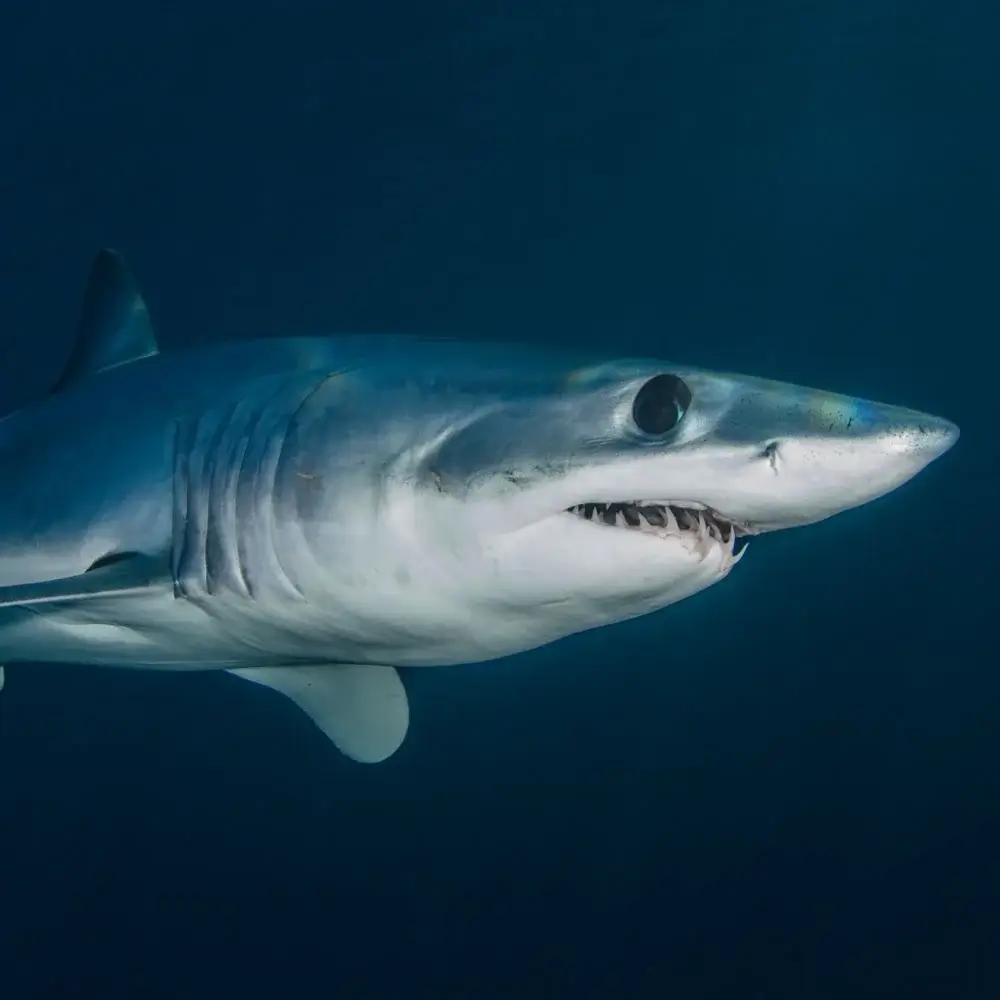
(313, 513)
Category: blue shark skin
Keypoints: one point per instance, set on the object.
(312, 513)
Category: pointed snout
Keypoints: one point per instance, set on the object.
(820, 453)
(918, 436)
(875, 455)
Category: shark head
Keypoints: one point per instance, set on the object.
(523, 504)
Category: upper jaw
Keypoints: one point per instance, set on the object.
(701, 529)
(674, 516)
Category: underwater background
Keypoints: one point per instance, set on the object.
(786, 786)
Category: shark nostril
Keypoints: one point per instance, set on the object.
(770, 452)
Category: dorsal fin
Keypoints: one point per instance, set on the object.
(114, 323)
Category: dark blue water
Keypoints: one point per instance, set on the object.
(785, 787)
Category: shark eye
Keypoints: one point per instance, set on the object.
(660, 404)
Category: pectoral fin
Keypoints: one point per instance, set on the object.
(115, 576)
(362, 708)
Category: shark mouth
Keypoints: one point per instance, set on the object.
(667, 520)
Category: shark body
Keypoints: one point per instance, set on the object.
(312, 513)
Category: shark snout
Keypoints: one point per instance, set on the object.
(917, 436)
(813, 454)
(892, 446)
(829, 474)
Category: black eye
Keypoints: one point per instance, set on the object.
(660, 404)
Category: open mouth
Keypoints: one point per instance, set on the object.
(666, 520)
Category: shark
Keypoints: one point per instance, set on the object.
(313, 514)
